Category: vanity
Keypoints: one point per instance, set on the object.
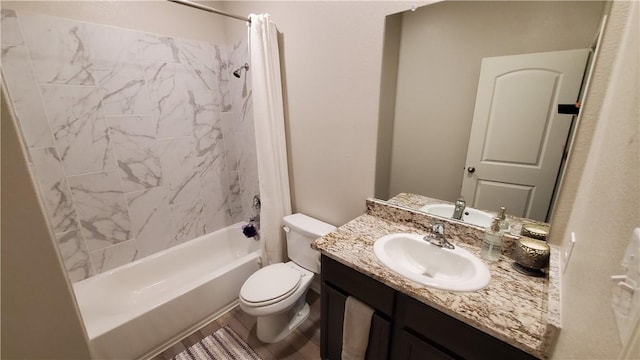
(514, 317)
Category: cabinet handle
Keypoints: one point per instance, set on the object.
(471, 169)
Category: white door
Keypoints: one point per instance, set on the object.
(517, 137)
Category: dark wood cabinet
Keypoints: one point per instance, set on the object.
(401, 328)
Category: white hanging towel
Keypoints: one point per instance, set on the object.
(355, 329)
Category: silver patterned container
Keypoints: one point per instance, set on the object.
(535, 231)
(532, 254)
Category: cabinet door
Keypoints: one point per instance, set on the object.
(457, 337)
(379, 337)
(410, 347)
(332, 318)
(332, 315)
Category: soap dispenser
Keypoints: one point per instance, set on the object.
(504, 223)
(492, 242)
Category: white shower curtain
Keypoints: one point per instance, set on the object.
(273, 172)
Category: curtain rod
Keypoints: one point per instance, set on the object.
(209, 9)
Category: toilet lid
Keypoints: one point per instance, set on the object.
(270, 284)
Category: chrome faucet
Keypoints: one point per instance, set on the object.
(436, 237)
(459, 210)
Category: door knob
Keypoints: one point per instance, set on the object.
(471, 169)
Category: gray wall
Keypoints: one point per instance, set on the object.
(600, 194)
(37, 300)
(389, 79)
(440, 55)
(332, 52)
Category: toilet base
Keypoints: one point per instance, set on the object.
(273, 328)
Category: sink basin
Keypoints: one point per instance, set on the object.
(418, 260)
(470, 216)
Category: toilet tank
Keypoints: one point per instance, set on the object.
(301, 231)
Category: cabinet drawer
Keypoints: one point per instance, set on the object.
(449, 333)
(375, 294)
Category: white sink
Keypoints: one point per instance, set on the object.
(418, 260)
(470, 215)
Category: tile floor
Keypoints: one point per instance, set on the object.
(302, 344)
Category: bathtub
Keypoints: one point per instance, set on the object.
(139, 308)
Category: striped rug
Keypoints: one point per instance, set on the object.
(222, 344)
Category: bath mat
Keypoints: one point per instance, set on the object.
(223, 344)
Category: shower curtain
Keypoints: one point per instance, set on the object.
(273, 172)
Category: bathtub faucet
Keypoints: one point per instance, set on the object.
(257, 204)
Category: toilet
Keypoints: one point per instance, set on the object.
(276, 293)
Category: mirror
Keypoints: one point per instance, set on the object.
(431, 69)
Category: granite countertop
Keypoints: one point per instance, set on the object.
(520, 310)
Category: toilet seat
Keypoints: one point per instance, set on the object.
(270, 285)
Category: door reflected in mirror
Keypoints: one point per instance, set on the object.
(431, 100)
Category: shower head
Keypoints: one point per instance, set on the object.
(239, 71)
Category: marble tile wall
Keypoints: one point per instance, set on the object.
(240, 132)
(138, 142)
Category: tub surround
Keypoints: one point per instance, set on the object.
(138, 142)
(519, 310)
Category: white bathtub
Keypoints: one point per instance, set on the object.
(134, 309)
